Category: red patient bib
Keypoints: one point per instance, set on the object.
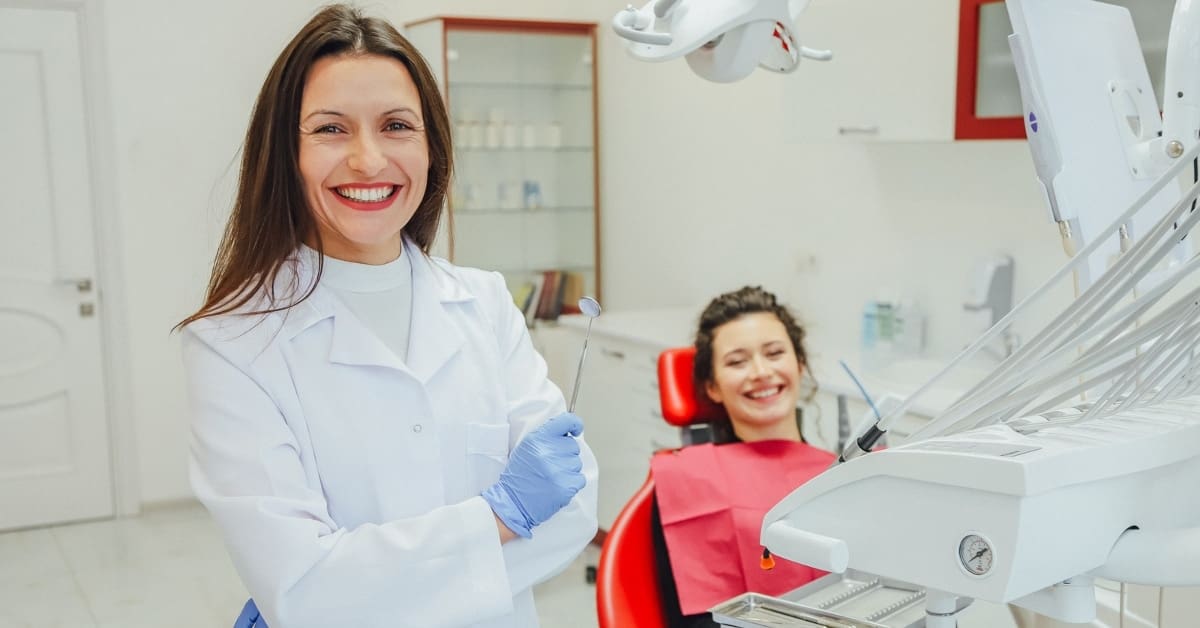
(712, 499)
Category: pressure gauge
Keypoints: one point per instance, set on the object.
(975, 554)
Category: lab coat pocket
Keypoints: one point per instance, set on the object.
(487, 449)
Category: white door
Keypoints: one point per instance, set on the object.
(54, 456)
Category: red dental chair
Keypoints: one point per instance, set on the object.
(627, 592)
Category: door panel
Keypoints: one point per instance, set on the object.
(54, 441)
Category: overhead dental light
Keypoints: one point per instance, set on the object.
(721, 41)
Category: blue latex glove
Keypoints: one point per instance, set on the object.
(543, 473)
(249, 617)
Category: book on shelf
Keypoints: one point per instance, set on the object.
(535, 296)
(550, 294)
(550, 302)
(573, 293)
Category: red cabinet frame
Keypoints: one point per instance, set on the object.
(968, 126)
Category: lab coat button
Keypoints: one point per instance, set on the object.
(417, 427)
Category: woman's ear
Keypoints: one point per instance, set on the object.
(713, 392)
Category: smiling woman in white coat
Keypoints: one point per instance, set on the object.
(372, 429)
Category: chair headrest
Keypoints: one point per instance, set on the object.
(677, 394)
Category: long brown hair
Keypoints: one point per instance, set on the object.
(271, 216)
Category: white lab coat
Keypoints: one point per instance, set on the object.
(346, 481)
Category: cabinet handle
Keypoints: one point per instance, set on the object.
(82, 284)
(612, 353)
(872, 129)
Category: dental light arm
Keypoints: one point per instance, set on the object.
(722, 41)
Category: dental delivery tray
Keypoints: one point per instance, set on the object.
(848, 600)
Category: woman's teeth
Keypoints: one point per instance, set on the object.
(366, 195)
(762, 394)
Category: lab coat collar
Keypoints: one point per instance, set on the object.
(433, 339)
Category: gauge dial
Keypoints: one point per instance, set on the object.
(975, 554)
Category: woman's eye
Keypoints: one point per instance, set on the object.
(396, 126)
(327, 128)
(735, 363)
(776, 353)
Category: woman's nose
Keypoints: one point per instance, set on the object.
(759, 366)
(367, 158)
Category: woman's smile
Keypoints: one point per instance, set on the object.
(366, 198)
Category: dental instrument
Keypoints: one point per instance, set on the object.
(591, 309)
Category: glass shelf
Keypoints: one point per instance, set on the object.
(517, 211)
(524, 149)
(547, 86)
(513, 270)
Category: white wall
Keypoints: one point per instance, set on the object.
(711, 173)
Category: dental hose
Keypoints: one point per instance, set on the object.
(1068, 244)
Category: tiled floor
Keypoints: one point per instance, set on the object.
(169, 568)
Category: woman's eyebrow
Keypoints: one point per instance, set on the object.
(326, 112)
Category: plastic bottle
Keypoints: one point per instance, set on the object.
(910, 328)
(885, 343)
(870, 329)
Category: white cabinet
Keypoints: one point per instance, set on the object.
(892, 76)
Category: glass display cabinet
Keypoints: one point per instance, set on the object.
(522, 99)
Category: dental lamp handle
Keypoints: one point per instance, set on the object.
(631, 25)
(815, 54)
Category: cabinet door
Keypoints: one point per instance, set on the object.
(606, 402)
(988, 95)
(891, 77)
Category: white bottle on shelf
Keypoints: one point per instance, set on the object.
(474, 134)
(491, 134)
(510, 135)
(529, 135)
(554, 135)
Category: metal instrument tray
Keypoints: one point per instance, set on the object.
(753, 610)
(892, 603)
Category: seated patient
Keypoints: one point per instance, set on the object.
(710, 499)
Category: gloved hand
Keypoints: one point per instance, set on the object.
(249, 617)
(542, 475)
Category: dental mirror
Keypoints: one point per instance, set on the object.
(591, 309)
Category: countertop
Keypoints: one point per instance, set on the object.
(660, 329)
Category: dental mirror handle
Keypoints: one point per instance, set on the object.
(579, 369)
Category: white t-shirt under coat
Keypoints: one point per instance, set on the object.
(379, 295)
